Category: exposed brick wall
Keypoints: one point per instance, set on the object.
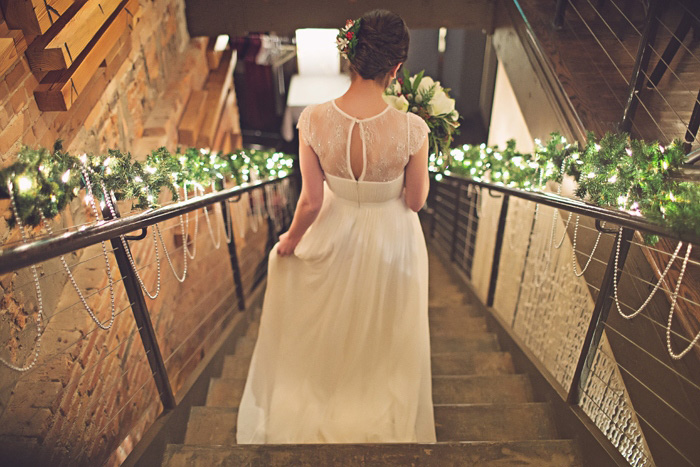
(91, 395)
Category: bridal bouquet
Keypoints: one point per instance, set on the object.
(430, 101)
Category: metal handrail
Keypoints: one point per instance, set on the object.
(51, 247)
(578, 206)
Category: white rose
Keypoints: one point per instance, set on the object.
(426, 83)
(399, 103)
(440, 104)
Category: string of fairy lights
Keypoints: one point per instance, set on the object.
(642, 179)
(46, 181)
(41, 183)
(639, 178)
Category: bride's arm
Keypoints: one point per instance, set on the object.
(310, 199)
(417, 181)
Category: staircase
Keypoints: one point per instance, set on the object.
(485, 412)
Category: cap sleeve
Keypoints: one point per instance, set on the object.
(417, 132)
(304, 126)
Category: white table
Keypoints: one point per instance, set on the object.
(305, 90)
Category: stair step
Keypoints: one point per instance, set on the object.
(225, 392)
(245, 346)
(235, 366)
(461, 326)
(212, 426)
(455, 311)
(463, 363)
(482, 342)
(481, 389)
(545, 453)
(439, 299)
(494, 422)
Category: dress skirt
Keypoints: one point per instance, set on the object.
(343, 351)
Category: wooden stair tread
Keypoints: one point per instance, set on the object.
(212, 425)
(225, 392)
(465, 363)
(494, 422)
(492, 389)
(235, 366)
(475, 342)
(540, 453)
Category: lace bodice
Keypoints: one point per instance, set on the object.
(388, 140)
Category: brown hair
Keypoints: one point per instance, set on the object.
(382, 43)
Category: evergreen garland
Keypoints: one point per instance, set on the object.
(631, 175)
(47, 181)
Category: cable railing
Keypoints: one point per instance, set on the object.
(98, 375)
(633, 66)
(617, 332)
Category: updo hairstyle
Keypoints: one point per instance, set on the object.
(382, 43)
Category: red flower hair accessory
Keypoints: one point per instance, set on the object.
(347, 38)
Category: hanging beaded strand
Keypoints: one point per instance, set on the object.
(39, 298)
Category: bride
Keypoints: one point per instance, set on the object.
(343, 352)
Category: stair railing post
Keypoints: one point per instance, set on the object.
(141, 315)
(599, 315)
(500, 232)
(559, 13)
(233, 253)
(641, 64)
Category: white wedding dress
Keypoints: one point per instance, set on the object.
(343, 351)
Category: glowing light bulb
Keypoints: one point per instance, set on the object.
(107, 162)
(661, 149)
(612, 179)
(150, 169)
(83, 158)
(597, 147)
(24, 184)
(591, 175)
(629, 151)
(66, 176)
(138, 179)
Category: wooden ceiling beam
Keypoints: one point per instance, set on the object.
(205, 18)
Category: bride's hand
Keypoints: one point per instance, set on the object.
(286, 245)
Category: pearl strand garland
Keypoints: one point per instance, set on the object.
(555, 214)
(152, 296)
(656, 287)
(40, 300)
(674, 295)
(695, 340)
(184, 247)
(187, 224)
(93, 205)
(217, 242)
(573, 250)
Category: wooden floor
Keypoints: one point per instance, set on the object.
(594, 56)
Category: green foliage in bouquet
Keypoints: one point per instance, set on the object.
(44, 181)
(632, 175)
(430, 101)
